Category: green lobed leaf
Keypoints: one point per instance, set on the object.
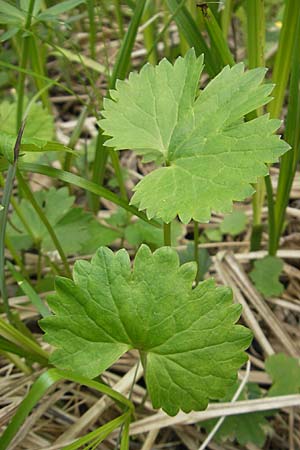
(76, 229)
(285, 373)
(265, 275)
(190, 346)
(210, 155)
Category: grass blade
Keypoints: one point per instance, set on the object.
(29, 291)
(38, 390)
(218, 42)
(283, 58)
(190, 31)
(4, 217)
(289, 161)
(120, 70)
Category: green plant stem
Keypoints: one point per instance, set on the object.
(271, 216)
(289, 161)
(167, 234)
(150, 33)
(256, 50)
(4, 217)
(119, 17)
(20, 339)
(189, 29)
(29, 291)
(23, 185)
(15, 255)
(75, 136)
(283, 58)
(217, 39)
(92, 28)
(196, 249)
(226, 17)
(119, 72)
(23, 64)
(37, 62)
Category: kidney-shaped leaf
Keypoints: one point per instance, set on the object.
(189, 344)
(211, 156)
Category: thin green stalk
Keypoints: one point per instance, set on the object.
(256, 50)
(75, 136)
(189, 28)
(23, 64)
(20, 339)
(196, 249)
(119, 72)
(37, 63)
(289, 161)
(29, 291)
(4, 217)
(282, 65)
(119, 17)
(34, 74)
(256, 32)
(218, 42)
(226, 17)
(99, 434)
(162, 34)
(167, 234)
(25, 188)
(15, 255)
(150, 32)
(17, 362)
(271, 216)
(92, 28)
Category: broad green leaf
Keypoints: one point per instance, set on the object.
(234, 224)
(285, 373)
(76, 229)
(265, 275)
(210, 155)
(187, 338)
(248, 428)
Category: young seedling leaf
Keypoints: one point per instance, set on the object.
(76, 229)
(234, 224)
(265, 275)
(285, 373)
(245, 428)
(187, 338)
(210, 155)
